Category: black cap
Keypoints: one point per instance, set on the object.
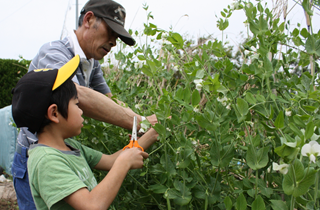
(113, 14)
(32, 94)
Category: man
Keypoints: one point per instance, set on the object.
(100, 24)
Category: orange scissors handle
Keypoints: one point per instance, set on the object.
(130, 145)
(133, 143)
(136, 144)
(133, 139)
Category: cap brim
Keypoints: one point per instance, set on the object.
(66, 71)
(123, 34)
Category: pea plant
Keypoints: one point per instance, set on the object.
(244, 128)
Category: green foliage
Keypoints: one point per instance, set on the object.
(10, 72)
(238, 123)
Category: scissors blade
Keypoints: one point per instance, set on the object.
(134, 129)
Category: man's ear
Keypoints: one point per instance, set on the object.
(52, 113)
(88, 19)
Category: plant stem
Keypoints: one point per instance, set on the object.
(316, 188)
(292, 202)
(257, 175)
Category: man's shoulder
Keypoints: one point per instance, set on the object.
(64, 43)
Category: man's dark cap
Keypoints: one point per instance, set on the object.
(113, 14)
(32, 94)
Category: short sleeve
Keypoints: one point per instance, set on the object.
(55, 180)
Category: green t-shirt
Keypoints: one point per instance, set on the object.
(55, 174)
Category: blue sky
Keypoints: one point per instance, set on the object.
(27, 24)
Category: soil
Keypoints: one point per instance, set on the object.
(8, 205)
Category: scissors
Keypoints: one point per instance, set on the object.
(133, 140)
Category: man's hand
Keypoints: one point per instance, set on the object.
(152, 119)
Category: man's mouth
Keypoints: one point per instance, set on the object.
(105, 49)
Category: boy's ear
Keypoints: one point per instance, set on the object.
(52, 113)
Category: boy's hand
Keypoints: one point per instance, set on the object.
(152, 134)
(132, 157)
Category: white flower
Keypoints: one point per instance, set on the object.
(283, 168)
(195, 109)
(175, 68)
(138, 106)
(223, 100)
(197, 63)
(253, 48)
(139, 64)
(228, 107)
(166, 42)
(168, 129)
(143, 127)
(246, 52)
(255, 56)
(288, 113)
(198, 86)
(291, 71)
(193, 142)
(312, 150)
(234, 5)
(197, 81)
(164, 35)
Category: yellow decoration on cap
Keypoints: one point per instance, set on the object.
(39, 70)
(66, 71)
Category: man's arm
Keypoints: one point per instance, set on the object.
(97, 106)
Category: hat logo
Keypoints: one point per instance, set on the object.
(39, 70)
(122, 13)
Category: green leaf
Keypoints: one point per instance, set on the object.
(160, 129)
(306, 7)
(195, 100)
(258, 204)
(304, 32)
(141, 57)
(158, 188)
(228, 203)
(242, 106)
(268, 66)
(241, 203)
(313, 46)
(297, 181)
(295, 129)
(250, 98)
(279, 123)
(200, 74)
(257, 159)
(278, 205)
(260, 98)
(146, 71)
(309, 130)
(177, 40)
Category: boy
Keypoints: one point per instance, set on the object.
(60, 176)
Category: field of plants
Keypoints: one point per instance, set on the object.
(244, 128)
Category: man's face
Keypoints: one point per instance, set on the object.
(99, 40)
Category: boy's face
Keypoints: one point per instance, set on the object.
(74, 122)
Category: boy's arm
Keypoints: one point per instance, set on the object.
(145, 142)
(104, 193)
